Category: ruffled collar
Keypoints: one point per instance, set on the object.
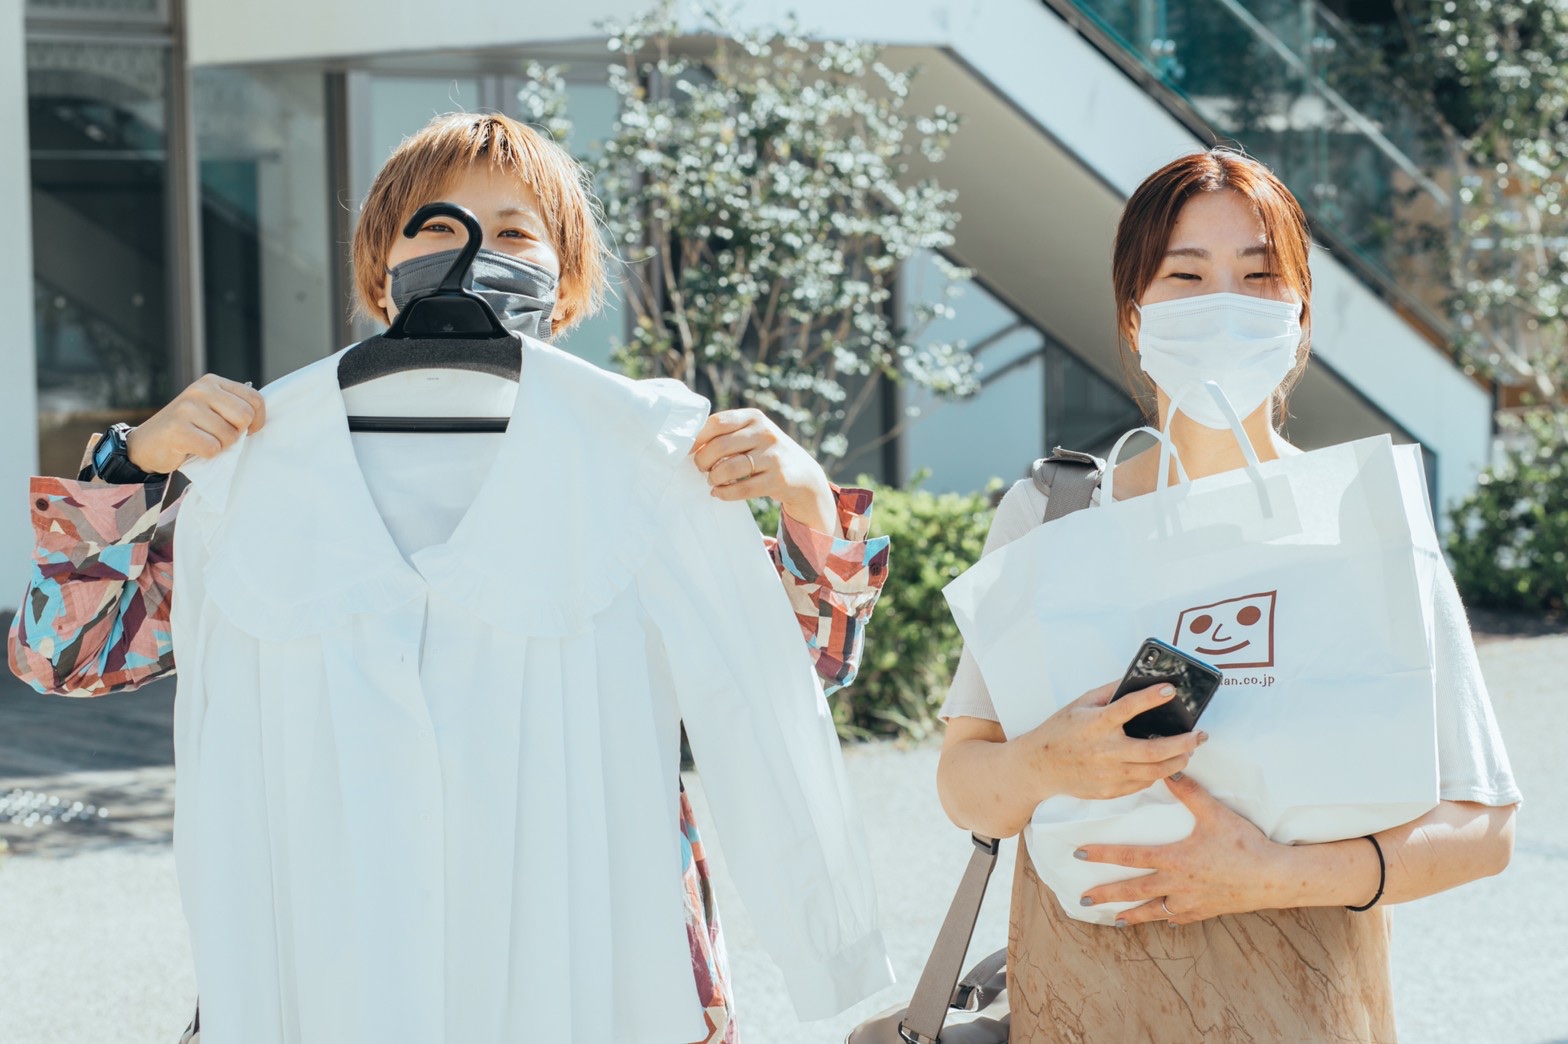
(558, 528)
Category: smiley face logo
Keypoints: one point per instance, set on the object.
(1238, 632)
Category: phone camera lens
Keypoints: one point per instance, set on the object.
(1151, 658)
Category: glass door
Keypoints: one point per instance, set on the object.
(97, 119)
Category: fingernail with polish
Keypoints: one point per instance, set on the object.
(1177, 777)
(1086, 901)
(1167, 690)
(1080, 854)
(1120, 923)
(1203, 737)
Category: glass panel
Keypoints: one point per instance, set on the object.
(400, 105)
(1085, 412)
(96, 119)
(266, 210)
(592, 108)
(1293, 87)
(395, 107)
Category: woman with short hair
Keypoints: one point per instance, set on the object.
(97, 615)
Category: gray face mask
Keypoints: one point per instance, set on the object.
(521, 293)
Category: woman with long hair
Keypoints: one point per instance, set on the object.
(1232, 936)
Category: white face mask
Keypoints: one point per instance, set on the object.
(1244, 344)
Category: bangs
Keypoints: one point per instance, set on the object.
(425, 165)
(1285, 229)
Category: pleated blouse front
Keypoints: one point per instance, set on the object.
(427, 794)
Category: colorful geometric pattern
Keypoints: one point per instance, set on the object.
(95, 619)
(833, 583)
(709, 963)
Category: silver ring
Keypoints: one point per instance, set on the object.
(1166, 908)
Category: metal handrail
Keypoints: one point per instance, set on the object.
(1434, 327)
(1334, 98)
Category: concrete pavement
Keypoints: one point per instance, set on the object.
(1483, 964)
(93, 950)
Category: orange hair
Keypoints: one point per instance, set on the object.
(422, 167)
(1144, 235)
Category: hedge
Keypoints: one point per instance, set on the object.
(1509, 538)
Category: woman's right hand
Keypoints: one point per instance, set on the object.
(1081, 750)
(202, 421)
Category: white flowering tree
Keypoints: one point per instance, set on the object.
(1492, 73)
(757, 184)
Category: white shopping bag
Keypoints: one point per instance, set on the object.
(1308, 580)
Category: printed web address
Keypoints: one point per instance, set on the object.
(1262, 681)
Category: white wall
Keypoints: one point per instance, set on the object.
(225, 32)
(1377, 352)
(18, 385)
(966, 443)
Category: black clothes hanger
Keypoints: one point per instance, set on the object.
(449, 328)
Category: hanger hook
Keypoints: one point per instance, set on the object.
(452, 282)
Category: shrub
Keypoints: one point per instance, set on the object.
(912, 644)
(1509, 540)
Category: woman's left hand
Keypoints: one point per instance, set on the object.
(1225, 866)
(746, 455)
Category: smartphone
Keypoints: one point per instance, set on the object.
(1195, 681)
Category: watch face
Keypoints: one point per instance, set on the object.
(102, 452)
(112, 458)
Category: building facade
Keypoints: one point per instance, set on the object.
(191, 170)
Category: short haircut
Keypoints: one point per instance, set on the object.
(1144, 235)
(426, 163)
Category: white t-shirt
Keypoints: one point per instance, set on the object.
(1472, 762)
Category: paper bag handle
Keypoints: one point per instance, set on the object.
(1168, 449)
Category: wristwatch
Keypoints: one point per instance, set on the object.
(111, 460)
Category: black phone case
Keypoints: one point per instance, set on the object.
(1159, 663)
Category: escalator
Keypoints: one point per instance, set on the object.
(1068, 106)
(1288, 81)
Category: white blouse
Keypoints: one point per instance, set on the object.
(427, 730)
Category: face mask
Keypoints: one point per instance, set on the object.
(521, 293)
(1244, 344)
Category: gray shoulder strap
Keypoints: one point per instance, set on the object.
(935, 994)
(1068, 479)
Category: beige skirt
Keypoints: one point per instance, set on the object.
(1305, 975)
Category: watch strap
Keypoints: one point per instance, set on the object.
(109, 460)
